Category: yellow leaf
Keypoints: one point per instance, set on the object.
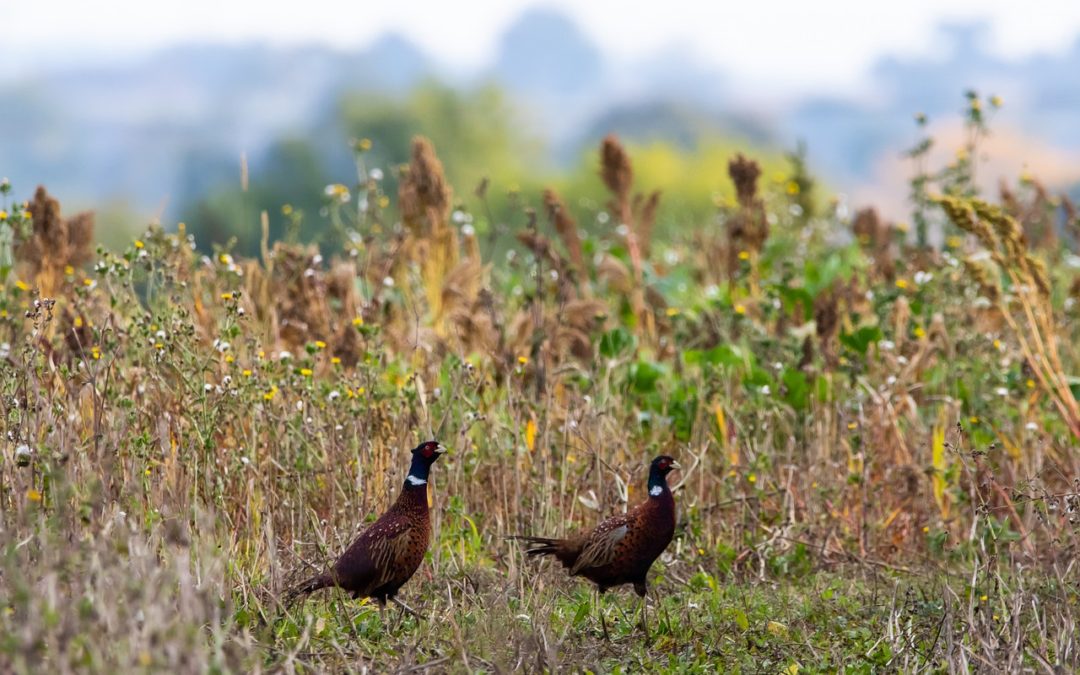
(891, 517)
(530, 435)
(937, 458)
(722, 427)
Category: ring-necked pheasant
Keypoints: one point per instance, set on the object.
(386, 554)
(621, 549)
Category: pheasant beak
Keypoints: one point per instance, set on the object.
(674, 465)
(441, 449)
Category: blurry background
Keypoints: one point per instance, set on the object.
(144, 111)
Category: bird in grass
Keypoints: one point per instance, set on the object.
(621, 549)
(388, 553)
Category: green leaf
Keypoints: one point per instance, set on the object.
(797, 297)
(796, 388)
(720, 355)
(759, 377)
(860, 340)
(616, 342)
(644, 376)
(582, 612)
(741, 621)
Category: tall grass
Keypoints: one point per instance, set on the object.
(880, 464)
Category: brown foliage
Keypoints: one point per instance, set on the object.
(566, 226)
(748, 228)
(875, 236)
(423, 194)
(53, 242)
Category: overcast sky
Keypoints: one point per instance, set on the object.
(803, 43)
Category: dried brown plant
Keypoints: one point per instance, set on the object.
(827, 325)
(53, 242)
(875, 236)
(424, 194)
(747, 228)
(636, 211)
(1027, 308)
(567, 228)
(1037, 215)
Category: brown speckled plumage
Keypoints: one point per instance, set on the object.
(388, 553)
(621, 549)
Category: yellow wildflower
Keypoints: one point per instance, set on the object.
(3, 214)
(1030, 384)
(139, 244)
(269, 396)
(95, 352)
(78, 322)
(246, 372)
(87, 282)
(69, 270)
(226, 296)
(919, 332)
(752, 478)
(740, 309)
(158, 345)
(852, 425)
(33, 495)
(364, 144)
(22, 285)
(672, 311)
(287, 210)
(523, 360)
(306, 372)
(384, 202)
(335, 360)
(319, 344)
(358, 321)
(229, 358)
(744, 255)
(996, 101)
(901, 284)
(792, 188)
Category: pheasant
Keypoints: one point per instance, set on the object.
(621, 549)
(388, 553)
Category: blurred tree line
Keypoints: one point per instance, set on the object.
(480, 137)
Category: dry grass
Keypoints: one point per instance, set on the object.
(857, 493)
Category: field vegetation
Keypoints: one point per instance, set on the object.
(877, 422)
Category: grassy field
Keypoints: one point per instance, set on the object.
(878, 438)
